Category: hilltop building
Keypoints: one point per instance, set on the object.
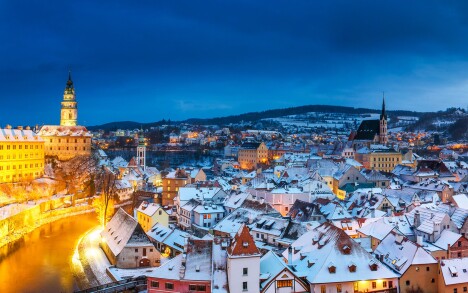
(68, 139)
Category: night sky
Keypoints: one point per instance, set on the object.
(181, 59)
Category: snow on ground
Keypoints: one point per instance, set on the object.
(93, 259)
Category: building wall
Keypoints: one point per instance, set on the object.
(275, 287)
(381, 285)
(179, 285)
(130, 257)
(250, 158)
(21, 160)
(384, 161)
(171, 188)
(67, 147)
(423, 276)
(236, 278)
(147, 222)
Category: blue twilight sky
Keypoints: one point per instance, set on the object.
(149, 60)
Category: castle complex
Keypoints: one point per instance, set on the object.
(68, 139)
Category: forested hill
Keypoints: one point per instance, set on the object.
(252, 116)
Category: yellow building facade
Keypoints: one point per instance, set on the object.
(21, 155)
(68, 139)
(251, 154)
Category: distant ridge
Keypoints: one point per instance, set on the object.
(251, 116)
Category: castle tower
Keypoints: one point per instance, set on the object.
(383, 138)
(141, 151)
(69, 112)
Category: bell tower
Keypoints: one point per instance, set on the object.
(69, 112)
(383, 138)
(141, 151)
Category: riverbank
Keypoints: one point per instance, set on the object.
(15, 227)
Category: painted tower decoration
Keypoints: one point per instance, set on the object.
(141, 150)
(383, 138)
(69, 112)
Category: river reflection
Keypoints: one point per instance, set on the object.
(40, 262)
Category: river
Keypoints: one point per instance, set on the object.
(41, 261)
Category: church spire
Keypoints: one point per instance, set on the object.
(69, 111)
(383, 115)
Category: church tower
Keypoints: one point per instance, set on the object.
(141, 151)
(383, 138)
(69, 112)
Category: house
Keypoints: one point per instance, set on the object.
(453, 276)
(126, 244)
(148, 214)
(416, 268)
(330, 261)
(190, 271)
(277, 276)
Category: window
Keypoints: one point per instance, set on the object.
(154, 284)
(427, 269)
(245, 271)
(432, 280)
(323, 289)
(169, 286)
(338, 288)
(408, 282)
(464, 289)
(374, 285)
(283, 283)
(244, 286)
(390, 284)
(136, 249)
(455, 290)
(192, 287)
(384, 284)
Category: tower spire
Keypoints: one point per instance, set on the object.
(383, 115)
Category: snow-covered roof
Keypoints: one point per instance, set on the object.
(16, 135)
(447, 237)
(399, 253)
(454, 271)
(325, 255)
(123, 230)
(58, 130)
(377, 229)
(149, 208)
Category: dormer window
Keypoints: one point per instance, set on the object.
(346, 249)
(352, 268)
(245, 244)
(331, 268)
(373, 267)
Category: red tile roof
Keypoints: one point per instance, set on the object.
(243, 244)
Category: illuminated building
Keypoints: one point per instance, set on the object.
(378, 157)
(68, 139)
(21, 155)
(251, 154)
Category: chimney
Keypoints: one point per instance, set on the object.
(290, 261)
(19, 127)
(417, 219)
(419, 240)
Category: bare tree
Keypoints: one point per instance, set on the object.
(78, 173)
(104, 203)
